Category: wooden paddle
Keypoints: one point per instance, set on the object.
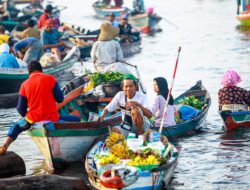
(170, 90)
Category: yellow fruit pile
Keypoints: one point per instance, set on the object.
(120, 150)
(111, 159)
(91, 85)
(139, 161)
(114, 138)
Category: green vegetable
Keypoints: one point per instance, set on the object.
(192, 101)
(98, 78)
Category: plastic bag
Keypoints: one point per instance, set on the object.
(48, 59)
(99, 92)
(117, 67)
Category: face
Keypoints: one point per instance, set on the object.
(156, 88)
(48, 28)
(124, 21)
(129, 87)
(111, 18)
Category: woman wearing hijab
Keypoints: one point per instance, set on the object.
(232, 97)
(161, 88)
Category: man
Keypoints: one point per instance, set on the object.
(112, 20)
(31, 31)
(138, 7)
(51, 41)
(34, 49)
(37, 102)
(106, 50)
(4, 38)
(125, 30)
(45, 16)
(135, 108)
(6, 59)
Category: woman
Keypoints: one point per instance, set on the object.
(161, 88)
(232, 97)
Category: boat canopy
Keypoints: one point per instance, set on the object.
(243, 5)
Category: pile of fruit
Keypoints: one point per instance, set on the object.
(113, 139)
(120, 150)
(111, 159)
(139, 161)
(192, 101)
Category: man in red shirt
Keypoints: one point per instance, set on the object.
(45, 16)
(37, 102)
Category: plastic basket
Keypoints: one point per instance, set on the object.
(111, 88)
(147, 167)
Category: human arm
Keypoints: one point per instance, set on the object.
(145, 111)
(22, 105)
(104, 114)
(57, 93)
(156, 105)
(20, 54)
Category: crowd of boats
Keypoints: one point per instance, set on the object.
(63, 142)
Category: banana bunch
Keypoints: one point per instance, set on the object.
(91, 85)
(111, 159)
(138, 161)
(120, 150)
(114, 138)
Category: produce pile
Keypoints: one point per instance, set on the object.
(193, 102)
(98, 78)
(118, 151)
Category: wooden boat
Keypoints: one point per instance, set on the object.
(12, 78)
(192, 125)
(131, 49)
(235, 120)
(103, 11)
(22, 1)
(243, 12)
(156, 178)
(144, 22)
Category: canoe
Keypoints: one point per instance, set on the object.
(12, 78)
(131, 49)
(144, 22)
(63, 143)
(156, 178)
(235, 120)
(102, 12)
(22, 1)
(243, 12)
(194, 124)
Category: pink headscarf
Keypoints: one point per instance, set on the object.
(230, 78)
(150, 10)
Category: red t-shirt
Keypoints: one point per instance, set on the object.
(42, 20)
(41, 102)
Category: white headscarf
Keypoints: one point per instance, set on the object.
(5, 48)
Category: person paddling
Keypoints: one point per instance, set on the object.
(37, 102)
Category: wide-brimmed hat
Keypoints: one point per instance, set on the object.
(108, 32)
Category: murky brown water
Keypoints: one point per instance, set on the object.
(211, 44)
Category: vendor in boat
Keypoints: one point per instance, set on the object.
(232, 97)
(45, 16)
(135, 108)
(125, 33)
(138, 7)
(51, 41)
(31, 31)
(4, 38)
(112, 20)
(106, 50)
(37, 102)
(161, 88)
(33, 49)
(6, 59)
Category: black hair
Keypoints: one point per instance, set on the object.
(34, 66)
(48, 8)
(31, 23)
(163, 89)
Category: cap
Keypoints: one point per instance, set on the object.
(48, 22)
(129, 76)
(125, 17)
(5, 48)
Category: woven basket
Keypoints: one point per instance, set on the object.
(164, 139)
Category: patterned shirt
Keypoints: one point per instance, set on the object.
(233, 95)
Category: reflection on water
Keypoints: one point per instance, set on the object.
(211, 44)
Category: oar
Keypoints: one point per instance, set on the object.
(170, 23)
(169, 93)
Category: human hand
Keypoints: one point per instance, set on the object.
(130, 104)
(101, 118)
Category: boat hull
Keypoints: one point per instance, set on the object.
(235, 120)
(103, 12)
(244, 19)
(191, 126)
(11, 80)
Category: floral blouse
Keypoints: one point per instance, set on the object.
(233, 95)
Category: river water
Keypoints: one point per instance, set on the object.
(211, 44)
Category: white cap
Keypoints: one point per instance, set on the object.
(5, 48)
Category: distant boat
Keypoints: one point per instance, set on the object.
(234, 120)
(102, 10)
(243, 12)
